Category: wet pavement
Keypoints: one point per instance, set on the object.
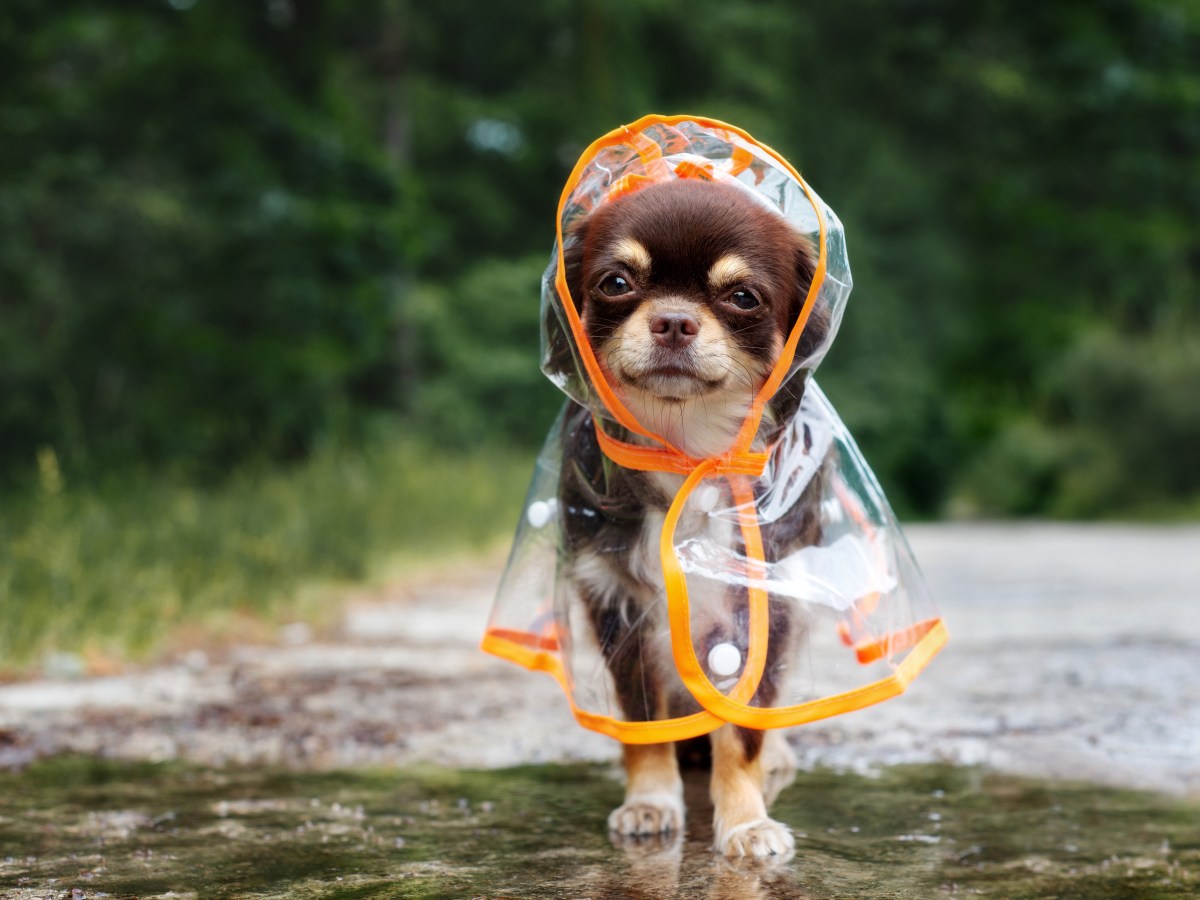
(1075, 651)
(77, 828)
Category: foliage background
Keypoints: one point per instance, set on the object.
(236, 233)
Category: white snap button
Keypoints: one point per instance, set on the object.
(706, 497)
(724, 659)
(540, 512)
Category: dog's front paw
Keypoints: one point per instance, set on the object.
(759, 838)
(643, 814)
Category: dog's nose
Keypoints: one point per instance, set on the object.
(674, 330)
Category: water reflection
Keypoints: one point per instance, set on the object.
(659, 867)
(89, 826)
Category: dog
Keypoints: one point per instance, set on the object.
(687, 291)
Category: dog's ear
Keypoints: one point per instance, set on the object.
(558, 361)
(783, 406)
(816, 329)
(574, 241)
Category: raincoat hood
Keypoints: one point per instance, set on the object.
(655, 150)
(871, 625)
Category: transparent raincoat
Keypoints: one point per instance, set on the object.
(869, 623)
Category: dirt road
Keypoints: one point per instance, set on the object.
(1075, 652)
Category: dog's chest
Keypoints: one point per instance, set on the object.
(635, 570)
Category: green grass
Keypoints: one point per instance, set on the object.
(116, 570)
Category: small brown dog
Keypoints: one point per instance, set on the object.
(687, 291)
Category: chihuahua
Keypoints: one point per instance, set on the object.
(687, 291)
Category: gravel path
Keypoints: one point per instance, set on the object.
(1075, 653)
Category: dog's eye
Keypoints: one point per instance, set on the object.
(614, 286)
(743, 300)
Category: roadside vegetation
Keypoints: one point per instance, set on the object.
(112, 570)
(269, 271)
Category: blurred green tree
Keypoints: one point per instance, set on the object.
(202, 242)
(234, 230)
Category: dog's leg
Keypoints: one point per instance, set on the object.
(741, 826)
(653, 793)
(654, 790)
(778, 765)
(751, 767)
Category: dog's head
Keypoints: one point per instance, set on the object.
(688, 291)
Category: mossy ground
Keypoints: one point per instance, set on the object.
(137, 830)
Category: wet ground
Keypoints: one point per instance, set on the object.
(1075, 653)
(79, 828)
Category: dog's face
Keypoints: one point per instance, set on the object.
(688, 291)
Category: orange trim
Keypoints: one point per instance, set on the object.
(650, 459)
(525, 639)
(688, 169)
(742, 159)
(869, 651)
(703, 722)
(647, 148)
(655, 732)
(628, 184)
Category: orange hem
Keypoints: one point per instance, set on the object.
(701, 723)
(868, 652)
(654, 732)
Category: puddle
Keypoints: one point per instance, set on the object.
(83, 828)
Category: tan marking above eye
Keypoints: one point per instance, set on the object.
(727, 271)
(633, 254)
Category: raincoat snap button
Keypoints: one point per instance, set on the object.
(540, 512)
(706, 499)
(724, 659)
